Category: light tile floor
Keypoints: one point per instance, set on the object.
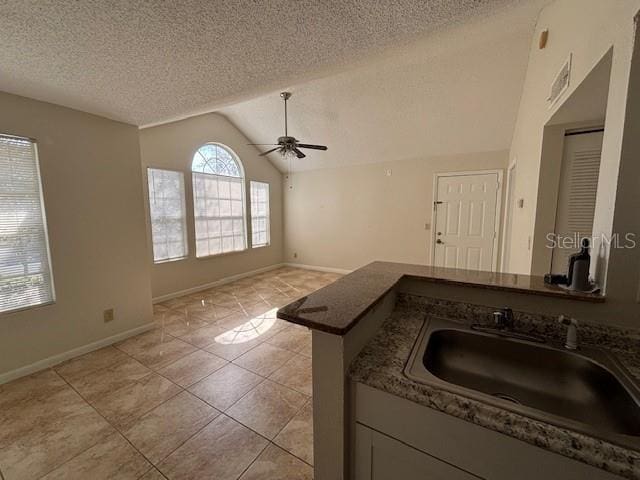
(219, 389)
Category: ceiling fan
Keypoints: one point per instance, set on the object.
(288, 144)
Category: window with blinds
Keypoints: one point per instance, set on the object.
(218, 201)
(259, 214)
(168, 215)
(25, 265)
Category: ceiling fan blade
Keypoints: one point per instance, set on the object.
(262, 144)
(313, 147)
(269, 151)
(298, 153)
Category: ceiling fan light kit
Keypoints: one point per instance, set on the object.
(287, 144)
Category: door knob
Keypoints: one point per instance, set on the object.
(439, 241)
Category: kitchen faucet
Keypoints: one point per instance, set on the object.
(503, 318)
(504, 326)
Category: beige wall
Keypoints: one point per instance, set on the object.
(347, 217)
(92, 180)
(623, 276)
(584, 108)
(587, 29)
(172, 146)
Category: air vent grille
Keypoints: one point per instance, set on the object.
(560, 83)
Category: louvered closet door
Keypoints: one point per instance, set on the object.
(577, 195)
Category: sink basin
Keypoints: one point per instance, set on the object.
(585, 390)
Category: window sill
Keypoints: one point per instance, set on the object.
(170, 260)
(216, 255)
(24, 309)
(256, 247)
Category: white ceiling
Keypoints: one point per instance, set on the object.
(147, 62)
(455, 91)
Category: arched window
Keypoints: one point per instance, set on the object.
(218, 201)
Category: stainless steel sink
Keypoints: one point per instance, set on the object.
(585, 390)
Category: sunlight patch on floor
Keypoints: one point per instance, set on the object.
(250, 330)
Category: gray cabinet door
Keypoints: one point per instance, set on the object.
(379, 457)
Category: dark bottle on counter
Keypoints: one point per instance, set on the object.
(579, 263)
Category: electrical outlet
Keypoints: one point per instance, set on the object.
(108, 315)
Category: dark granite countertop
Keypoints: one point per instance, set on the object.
(381, 365)
(336, 308)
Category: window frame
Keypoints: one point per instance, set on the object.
(184, 220)
(267, 217)
(241, 180)
(45, 228)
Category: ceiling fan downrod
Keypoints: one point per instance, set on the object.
(285, 96)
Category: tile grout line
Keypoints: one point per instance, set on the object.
(310, 401)
(253, 461)
(182, 389)
(224, 412)
(292, 417)
(304, 404)
(270, 441)
(186, 389)
(151, 371)
(118, 431)
(291, 453)
(121, 433)
(249, 391)
(186, 440)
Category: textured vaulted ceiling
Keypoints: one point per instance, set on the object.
(456, 91)
(148, 61)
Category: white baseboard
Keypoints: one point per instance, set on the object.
(61, 357)
(217, 283)
(318, 268)
(239, 276)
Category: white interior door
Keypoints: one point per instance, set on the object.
(465, 225)
(577, 194)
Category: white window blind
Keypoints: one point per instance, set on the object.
(167, 212)
(25, 266)
(218, 197)
(259, 214)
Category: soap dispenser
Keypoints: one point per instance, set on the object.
(579, 263)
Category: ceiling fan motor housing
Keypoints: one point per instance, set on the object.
(287, 141)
